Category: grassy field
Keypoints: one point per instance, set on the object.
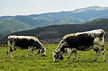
(21, 63)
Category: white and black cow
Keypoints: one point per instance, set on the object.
(82, 41)
(25, 42)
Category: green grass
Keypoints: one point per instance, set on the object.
(21, 63)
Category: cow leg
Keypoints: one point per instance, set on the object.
(10, 50)
(75, 52)
(97, 54)
(12, 54)
(38, 51)
(69, 52)
(7, 54)
(103, 53)
(33, 53)
(29, 49)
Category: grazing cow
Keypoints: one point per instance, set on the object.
(25, 42)
(82, 41)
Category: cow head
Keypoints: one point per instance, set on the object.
(57, 55)
(42, 51)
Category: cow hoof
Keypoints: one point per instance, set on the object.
(55, 61)
(94, 60)
(43, 55)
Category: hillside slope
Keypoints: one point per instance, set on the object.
(10, 25)
(53, 34)
(77, 16)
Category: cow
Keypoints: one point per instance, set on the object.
(25, 42)
(80, 41)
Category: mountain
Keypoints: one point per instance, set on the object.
(90, 8)
(53, 34)
(79, 15)
(26, 22)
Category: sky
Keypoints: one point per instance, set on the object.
(26, 7)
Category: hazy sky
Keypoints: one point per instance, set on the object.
(25, 7)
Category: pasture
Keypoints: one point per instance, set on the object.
(38, 63)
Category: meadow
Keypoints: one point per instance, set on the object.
(38, 63)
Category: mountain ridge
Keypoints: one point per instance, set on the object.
(55, 18)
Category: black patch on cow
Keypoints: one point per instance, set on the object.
(80, 42)
(11, 49)
(63, 46)
(25, 43)
(7, 52)
(57, 55)
(10, 40)
(62, 49)
(38, 51)
(99, 35)
(61, 57)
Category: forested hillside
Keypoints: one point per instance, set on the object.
(53, 34)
